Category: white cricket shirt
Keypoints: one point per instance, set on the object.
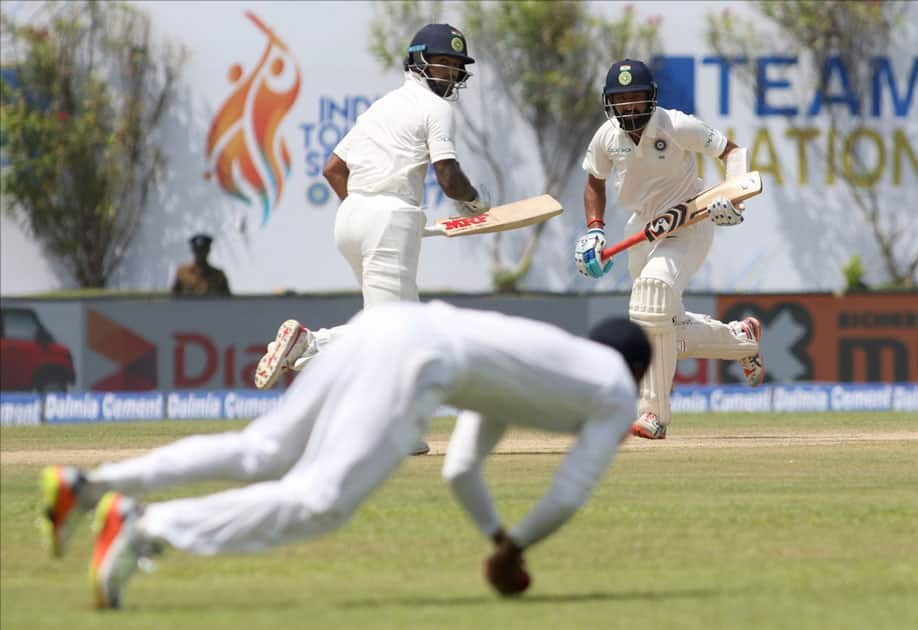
(519, 372)
(659, 172)
(392, 144)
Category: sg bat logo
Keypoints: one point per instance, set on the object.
(665, 223)
(453, 224)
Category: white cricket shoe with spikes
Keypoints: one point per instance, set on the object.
(753, 366)
(648, 427)
(292, 344)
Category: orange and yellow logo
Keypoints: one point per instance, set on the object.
(245, 153)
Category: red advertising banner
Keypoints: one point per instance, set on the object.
(870, 337)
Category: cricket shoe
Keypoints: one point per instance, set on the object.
(60, 509)
(421, 448)
(293, 341)
(119, 548)
(753, 366)
(647, 426)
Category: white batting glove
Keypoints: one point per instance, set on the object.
(481, 203)
(723, 212)
(588, 254)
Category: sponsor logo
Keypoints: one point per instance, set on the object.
(109, 406)
(20, 409)
(864, 338)
(665, 223)
(194, 405)
(245, 152)
(134, 355)
(453, 224)
(709, 136)
(241, 404)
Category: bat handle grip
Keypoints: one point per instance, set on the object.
(611, 250)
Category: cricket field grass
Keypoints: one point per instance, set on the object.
(805, 521)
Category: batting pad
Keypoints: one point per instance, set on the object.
(703, 337)
(653, 307)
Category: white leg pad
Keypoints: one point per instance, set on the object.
(703, 337)
(653, 306)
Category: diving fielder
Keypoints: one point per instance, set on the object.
(378, 171)
(650, 153)
(340, 432)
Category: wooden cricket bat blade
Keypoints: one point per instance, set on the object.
(691, 211)
(509, 216)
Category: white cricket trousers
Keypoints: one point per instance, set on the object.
(380, 237)
(334, 437)
(673, 261)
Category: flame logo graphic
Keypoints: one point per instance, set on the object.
(244, 151)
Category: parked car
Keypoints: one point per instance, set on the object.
(30, 358)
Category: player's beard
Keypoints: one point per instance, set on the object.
(441, 87)
(633, 122)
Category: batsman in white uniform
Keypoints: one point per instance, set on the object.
(650, 153)
(339, 433)
(378, 171)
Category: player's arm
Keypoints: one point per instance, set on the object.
(336, 173)
(581, 469)
(723, 211)
(578, 474)
(594, 201)
(470, 201)
(472, 440)
(588, 249)
(453, 180)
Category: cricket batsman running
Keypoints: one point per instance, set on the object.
(378, 171)
(651, 154)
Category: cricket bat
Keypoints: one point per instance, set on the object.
(509, 216)
(690, 211)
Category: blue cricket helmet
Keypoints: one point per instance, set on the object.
(630, 75)
(440, 39)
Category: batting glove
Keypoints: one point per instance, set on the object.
(588, 254)
(481, 203)
(723, 212)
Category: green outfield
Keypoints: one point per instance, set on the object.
(748, 521)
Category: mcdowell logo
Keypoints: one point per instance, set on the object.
(244, 152)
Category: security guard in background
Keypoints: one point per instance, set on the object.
(199, 277)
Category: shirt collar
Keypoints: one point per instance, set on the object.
(411, 78)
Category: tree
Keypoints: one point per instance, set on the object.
(834, 37)
(546, 59)
(82, 97)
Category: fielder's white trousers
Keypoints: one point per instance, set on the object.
(334, 437)
(380, 237)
